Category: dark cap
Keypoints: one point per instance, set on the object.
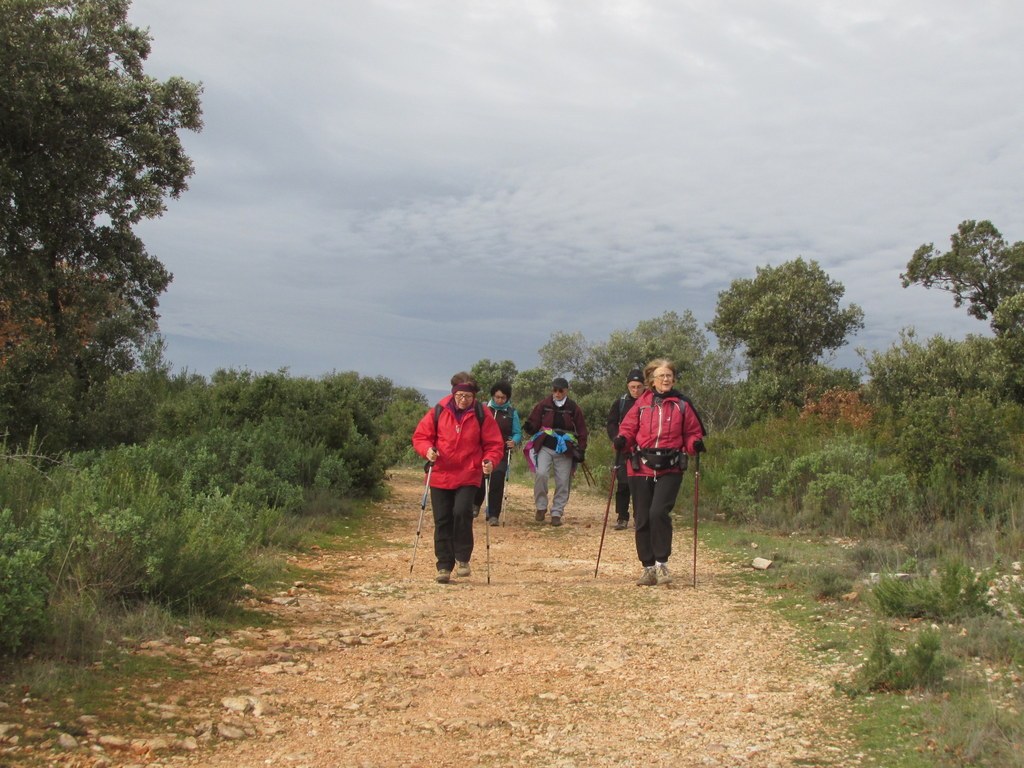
(559, 383)
(635, 375)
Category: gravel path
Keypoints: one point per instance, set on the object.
(544, 666)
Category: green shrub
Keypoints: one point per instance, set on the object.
(954, 593)
(921, 666)
(829, 583)
(959, 434)
(886, 503)
(23, 587)
(201, 557)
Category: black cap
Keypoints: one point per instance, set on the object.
(559, 383)
(635, 375)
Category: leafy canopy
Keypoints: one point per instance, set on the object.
(785, 317)
(980, 269)
(89, 147)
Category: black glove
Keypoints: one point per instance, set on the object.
(619, 443)
(698, 446)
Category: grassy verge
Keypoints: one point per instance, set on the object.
(113, 680)
(936, 691)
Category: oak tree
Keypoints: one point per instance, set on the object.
(89, 147)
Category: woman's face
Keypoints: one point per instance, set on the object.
(663, 379)
(463, 399)
(499, 398)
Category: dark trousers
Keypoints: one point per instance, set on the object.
(496, 495)
(453, 524)
(653, 499)
(622, 494)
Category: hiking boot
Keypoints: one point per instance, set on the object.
(556, 519)
(461, 569)
(662, 574)
(492, 521)
(443, 576)
(648, 578)
(476, 511)
(540, 515)
(621, 525)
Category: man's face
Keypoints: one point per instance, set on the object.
(558, 392)
(636, 388)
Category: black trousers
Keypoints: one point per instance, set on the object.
(453, 524)
(622, 494)
(653, 499)
(496, 496)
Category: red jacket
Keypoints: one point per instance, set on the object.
(673, 424)
(462, 446)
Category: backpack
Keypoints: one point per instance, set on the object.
(623, 407)
(477, 408)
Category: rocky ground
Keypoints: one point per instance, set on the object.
(546, 665)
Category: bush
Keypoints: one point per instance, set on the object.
(961, 435)
(201, 557)
(23, 588)
(921, 666)
(954, 593)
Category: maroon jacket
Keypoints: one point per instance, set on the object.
(568, 418)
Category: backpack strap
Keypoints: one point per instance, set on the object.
(477, 408)
(622, 407)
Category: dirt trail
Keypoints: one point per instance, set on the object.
(545, 666)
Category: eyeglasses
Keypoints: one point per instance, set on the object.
(559, 391)
(464, 396)
(668, 376)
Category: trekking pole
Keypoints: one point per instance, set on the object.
(487, 525)
(607, 509)
(504, 493)
(423, 508)
(696, 501)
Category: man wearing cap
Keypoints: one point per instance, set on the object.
(621, 406)
(558, 442)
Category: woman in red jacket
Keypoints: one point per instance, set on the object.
(460, 442)
(661, 430)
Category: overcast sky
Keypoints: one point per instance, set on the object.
(404, 187)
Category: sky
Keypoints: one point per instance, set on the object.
(404, 187)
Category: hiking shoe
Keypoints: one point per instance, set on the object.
(540, 515)
(476, 511)
(461, 569)
(492, 521)
(443, 576)
(662, 574)
(621, 525)
(648, 578)
(556, 519)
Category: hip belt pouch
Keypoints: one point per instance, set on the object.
(660, 459)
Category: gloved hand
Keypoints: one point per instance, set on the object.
(619, 443)
(581, 456)
(698, 446)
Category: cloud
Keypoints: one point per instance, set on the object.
(402, 188)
